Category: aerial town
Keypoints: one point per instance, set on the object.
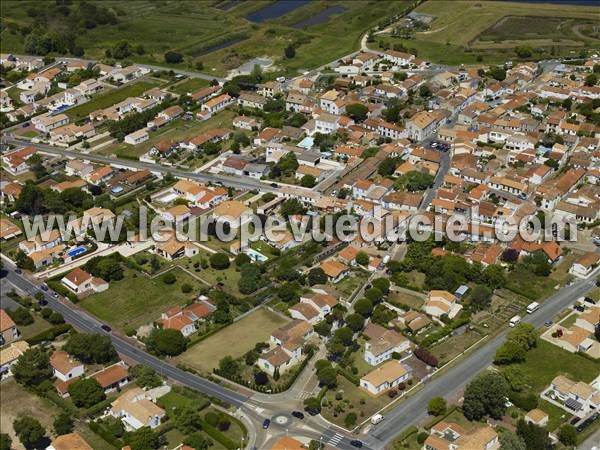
(478, 329)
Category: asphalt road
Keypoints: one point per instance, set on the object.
(234, 182)
(413, 409)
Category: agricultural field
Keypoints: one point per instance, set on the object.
(220, 38)
(234, 340)
(467, 32)
(137, 300)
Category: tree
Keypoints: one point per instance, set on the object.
(24, 262)
(364, 306)
(480, 297)
(32, 367)
(510, 255)
(425, 91)
(289, 52)
(288, 292)
(5, 441)
(143, 439)
(493, 276)
(326, 373)
(145, 376)
(316, 276)
(437, 406)
(308, 181)
(169, 278)
(219, 261)
(591, 79)
(250, 278)
(292, 207)
(229, 367)
(86, 392)
(63, 424)
(509, 352)
(21, 316)
(242, 258)
(568, 435)
(29, 431)
(344, 335)
(498, 73)
(168, 342)
(374, 294)
(485, 395)
(350, 419)
(188, 419)
(261, 378)
(355, 322)
(383, 284)
(525, 335)
(362, 258)
(387, 167)
(91, 348)
(511, 441)
(357, 111)
(173, 57)
(312, 404)
(535, 438)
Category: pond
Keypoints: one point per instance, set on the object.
(321, 17)
(277, 9)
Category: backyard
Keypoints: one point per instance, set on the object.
(137, 299)
(234, 340)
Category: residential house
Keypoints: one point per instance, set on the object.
(80, 282)
(137, 137)
(440, 303)
(334, 270)
(382, 344)
(450, 436)
(46, 123)
(385, 377)
(8, 329)
(136, 410)
(9, 355)
(70, 441)
(585, 264)
(113, 377)
(64, 366)
(577, 397)
(234, 212)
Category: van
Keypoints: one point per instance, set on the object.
(515, 321)
(532, 307)
(376, 419)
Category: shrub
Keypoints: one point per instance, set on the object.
(422, 437)
(169, 278)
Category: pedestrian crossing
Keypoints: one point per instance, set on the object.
(303, 395)
(335, 439)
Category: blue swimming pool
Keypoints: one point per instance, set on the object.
(116, 190)
(255, 256)
(76, 251)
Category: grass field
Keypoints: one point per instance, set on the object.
(234, 340)
(110, 98)
(188, 86)
(137, 300)
(229, 277)
(462, 31)
(546, 361)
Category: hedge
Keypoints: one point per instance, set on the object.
(98, 407)
(218, 436)
(348, 376)
(50, 334)
(100, 431)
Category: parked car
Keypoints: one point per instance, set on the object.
(106, 328)
(17, 270)
(356, 443)
(298, 415)
(266, 423)
(548, 323)
(54, 294)
(44, 287)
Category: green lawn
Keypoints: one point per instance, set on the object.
(189, 86)
(113, 96)
(351, 282)
(137, 300)
(234, 340)
(546, 361)
(229, 277)
(39, 325)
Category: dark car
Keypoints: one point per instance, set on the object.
(42, 302)
(298, 415)
(356, 443)
(266, 423)
(311, 411)
(580, 308)
(106, 328)
(17, 270)
(44, 287)
(548, 323)
(274, 185)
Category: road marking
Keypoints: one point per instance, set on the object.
(335, 439)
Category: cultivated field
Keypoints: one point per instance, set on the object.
(234, 340)
(219, 37)
(462, 31)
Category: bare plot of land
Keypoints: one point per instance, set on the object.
(234, 340)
